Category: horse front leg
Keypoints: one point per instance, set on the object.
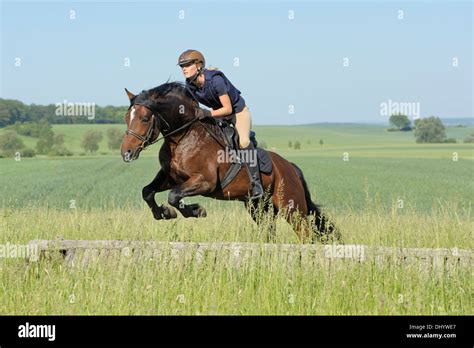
(160, 183)
(194, 186)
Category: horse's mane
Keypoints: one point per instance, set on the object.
(174, 87)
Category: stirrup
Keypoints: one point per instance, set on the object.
(257, 193)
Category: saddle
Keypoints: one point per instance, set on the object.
(226, 126)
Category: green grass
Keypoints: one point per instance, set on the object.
(336, 137)
(363, 196)
(102, 181)
(265, 287)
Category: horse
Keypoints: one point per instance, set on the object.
(190, 166)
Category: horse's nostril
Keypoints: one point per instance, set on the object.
(127, 156)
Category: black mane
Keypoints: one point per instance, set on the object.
(166, 100)
(150, 97)
(170, 87)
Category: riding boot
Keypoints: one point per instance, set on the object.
(254, 172)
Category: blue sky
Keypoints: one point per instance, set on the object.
(290, 70)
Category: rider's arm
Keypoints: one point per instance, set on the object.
(221, 90)
(226, 108)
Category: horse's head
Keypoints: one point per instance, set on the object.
(166, 109)
(142, 127)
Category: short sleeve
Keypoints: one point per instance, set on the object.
(220, 87)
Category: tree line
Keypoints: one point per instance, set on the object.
(14, 111)
(426, 130)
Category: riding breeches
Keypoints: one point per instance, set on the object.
(243, 124)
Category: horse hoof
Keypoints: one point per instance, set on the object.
(157, 215)
(164, 213)
(200, 212)
(169, 213)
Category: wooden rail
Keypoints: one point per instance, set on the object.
(234, 254)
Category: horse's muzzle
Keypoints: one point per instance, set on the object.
(130, 155)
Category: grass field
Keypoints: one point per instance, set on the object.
(391, 192)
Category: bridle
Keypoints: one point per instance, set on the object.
(156, 122)
(145, 140)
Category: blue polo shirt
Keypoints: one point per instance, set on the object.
(215, 85)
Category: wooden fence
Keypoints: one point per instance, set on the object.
(84, 252)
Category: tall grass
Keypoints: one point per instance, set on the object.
(391, 193)
(268, 287)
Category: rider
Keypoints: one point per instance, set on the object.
(213, 89)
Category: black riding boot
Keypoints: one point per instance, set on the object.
(254, 172)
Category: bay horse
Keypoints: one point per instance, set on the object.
(189, 166)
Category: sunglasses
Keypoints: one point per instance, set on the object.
(185, 65)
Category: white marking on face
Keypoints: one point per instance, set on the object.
(132, 115)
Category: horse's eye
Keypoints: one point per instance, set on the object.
(145, 119)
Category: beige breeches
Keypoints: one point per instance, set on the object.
(243, 123)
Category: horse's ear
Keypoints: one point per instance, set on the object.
(129, 94)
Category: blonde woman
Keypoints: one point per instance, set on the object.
(213, 89)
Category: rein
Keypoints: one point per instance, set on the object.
(154, 123)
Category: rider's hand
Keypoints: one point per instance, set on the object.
(202, 113)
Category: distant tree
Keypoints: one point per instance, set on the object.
(46, 138)
(321, 142)
(297, 145)
(90, 141)
(115, 137)
(290, 144)
(430, 130)
(402, 122)
(12, 111)
(58, 139)
(58, 148)
(10, 143)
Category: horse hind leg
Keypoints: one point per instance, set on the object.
(290, 204)
(320, 227)
(264, 214)
(300, 224)
(325, 231)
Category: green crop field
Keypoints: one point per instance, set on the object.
(389, 191)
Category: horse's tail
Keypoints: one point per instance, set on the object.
(324, 227)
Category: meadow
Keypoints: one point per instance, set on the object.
(389, 191)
